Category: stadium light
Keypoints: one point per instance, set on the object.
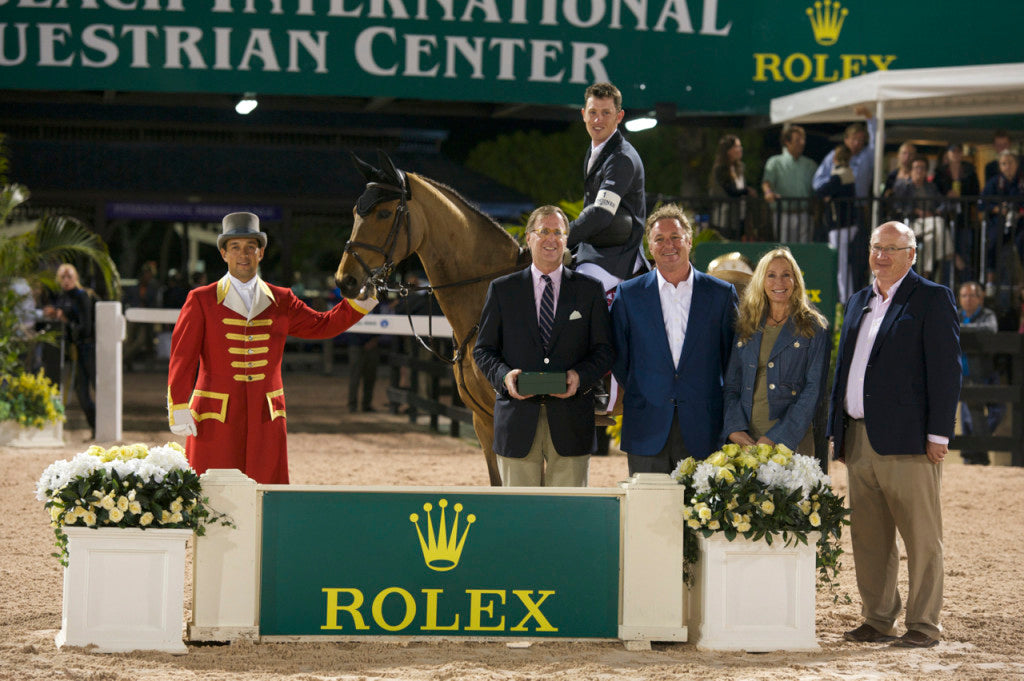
(246, 104)
(642, 123)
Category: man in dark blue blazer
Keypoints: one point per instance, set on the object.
(606, 236)
(897, 383)
(673, 330)
(558, 429)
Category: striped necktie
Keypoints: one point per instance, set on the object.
(547, 311)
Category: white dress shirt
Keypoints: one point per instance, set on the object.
(870, 322)
(595, 151)
(675, 308)
(247, 291)
(539, 284)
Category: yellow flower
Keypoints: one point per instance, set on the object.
(146, 519)
(704, 513)
(731, 449)
(817, 506)
(714, 525)
(747, 460)
(767, 507)
(726, 475)
(176, 518)
(176, 505)
(805, 506)
(781, 459)
(95, 450)
(719, 458)
(176, 447)
(687, 467)
(108, 502)
(115, 515)
(90, 518)
(165, 517)
(72, 517)
(752, 498)
(55, 512)
(122, 503)
(737, 518)
(687, 512)
(693, 523)
(764, 451)
(732, 504)
(743, 527)
(815, 519)
(135, 508)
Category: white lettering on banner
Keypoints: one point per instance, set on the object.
(576, 13)
(122, 5)
(183, 47)
(546, 57)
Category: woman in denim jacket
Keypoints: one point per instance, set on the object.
(776, 372)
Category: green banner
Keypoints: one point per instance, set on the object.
(818, 264)
(727, 56)
(410, 564)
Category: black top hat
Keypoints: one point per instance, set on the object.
(241, 226)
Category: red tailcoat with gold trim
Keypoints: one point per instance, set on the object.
(237, 398)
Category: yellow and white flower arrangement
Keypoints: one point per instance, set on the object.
(124, 486)
(762, 493)
(30, 399)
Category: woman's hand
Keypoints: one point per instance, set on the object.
(742, 438)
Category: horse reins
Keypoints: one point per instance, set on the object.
(378, 276)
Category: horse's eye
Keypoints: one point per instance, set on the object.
(383, 213)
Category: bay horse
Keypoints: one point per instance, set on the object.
(462, 250)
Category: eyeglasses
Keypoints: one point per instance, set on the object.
(549, 232)
(888, 250)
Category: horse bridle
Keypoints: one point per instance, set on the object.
(378, 276)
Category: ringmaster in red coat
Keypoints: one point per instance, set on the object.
(224, 388)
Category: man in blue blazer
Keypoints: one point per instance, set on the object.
(544, 437)
(897, 383)
(673, 330)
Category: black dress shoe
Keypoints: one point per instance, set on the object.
(915, 639)
(866, 633)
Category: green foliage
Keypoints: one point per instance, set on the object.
(545, 167)
(53, 239)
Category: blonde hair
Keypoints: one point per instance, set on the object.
(754, 303)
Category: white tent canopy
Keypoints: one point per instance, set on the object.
(903, 94)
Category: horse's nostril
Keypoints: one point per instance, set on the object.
(349, 286)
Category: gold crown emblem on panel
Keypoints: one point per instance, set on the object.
(827, 21)
(442, 548)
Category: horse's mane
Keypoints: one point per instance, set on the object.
(456, 196)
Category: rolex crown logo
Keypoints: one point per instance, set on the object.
(827, 21)
(441, 550)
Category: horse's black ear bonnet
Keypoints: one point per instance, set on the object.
(384, 184)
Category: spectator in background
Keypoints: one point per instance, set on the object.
(900, 175)
(727, 182)
(145, 293)
(176, 291)
(1002, 226)
(839, 194)
(787, 180)
(918, 202)
(1000, 143)
(74, 307)
(955, 179)
(860, 140)
(978, 370)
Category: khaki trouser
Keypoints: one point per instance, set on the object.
(530, 471)
(890, 493)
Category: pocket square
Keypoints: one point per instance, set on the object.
(575, 315)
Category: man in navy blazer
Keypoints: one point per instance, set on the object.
(897, 383)
(533, 430)
(606, 236)
(673, 330)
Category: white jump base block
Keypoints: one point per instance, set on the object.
(13, 434)
(754, 597)
(124, 589)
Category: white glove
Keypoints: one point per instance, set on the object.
(365, 305)
(184, 424)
